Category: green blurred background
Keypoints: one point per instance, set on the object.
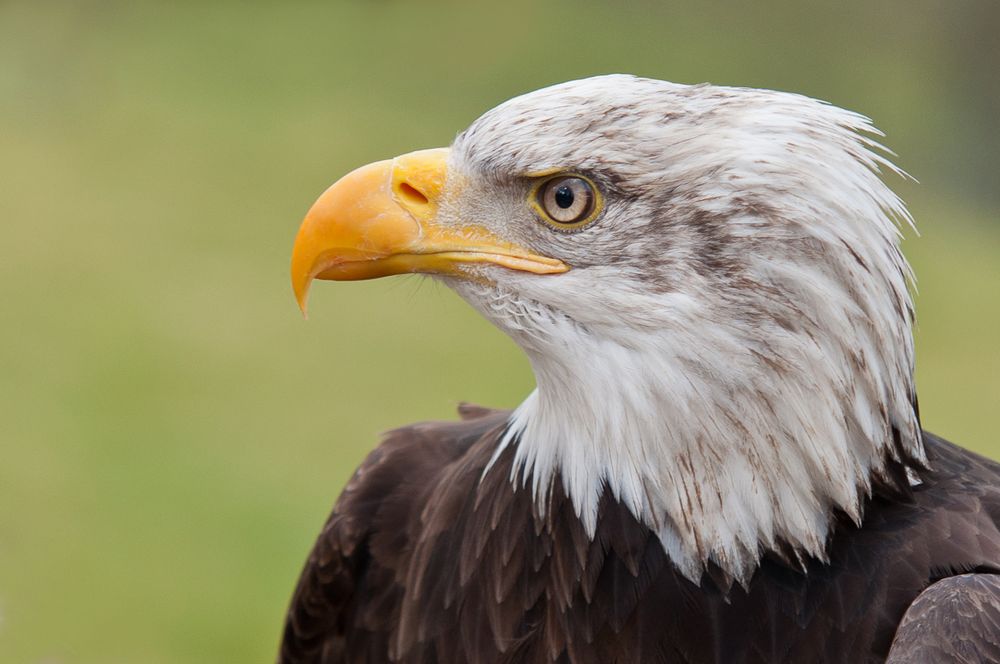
(173, 433)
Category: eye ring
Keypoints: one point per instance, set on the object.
(566, 201)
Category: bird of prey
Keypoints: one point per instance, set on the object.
(722, 460)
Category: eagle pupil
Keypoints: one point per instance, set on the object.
(564, 196)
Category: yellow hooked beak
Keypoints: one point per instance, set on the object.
(382, 219)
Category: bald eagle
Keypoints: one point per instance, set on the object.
(722, 460)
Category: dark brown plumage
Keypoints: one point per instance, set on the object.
(423, 562)
(964, 612)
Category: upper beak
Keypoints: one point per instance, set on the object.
(381, 219)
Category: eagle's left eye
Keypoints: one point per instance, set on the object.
(567, 200)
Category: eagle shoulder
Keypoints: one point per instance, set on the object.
(360, 552)
(956, 619)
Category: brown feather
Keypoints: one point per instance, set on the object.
(427, 559)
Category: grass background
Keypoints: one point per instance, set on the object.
(173, 434)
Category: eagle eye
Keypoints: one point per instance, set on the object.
(567, 201)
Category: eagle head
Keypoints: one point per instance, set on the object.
(708, 285)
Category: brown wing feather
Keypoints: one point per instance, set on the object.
(346, 604)
(956, 620)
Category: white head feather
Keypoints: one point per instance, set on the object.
(731, 353)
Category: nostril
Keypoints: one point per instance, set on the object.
(411, 194)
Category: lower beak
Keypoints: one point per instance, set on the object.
(381, 219)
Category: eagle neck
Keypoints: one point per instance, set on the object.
(721, 470)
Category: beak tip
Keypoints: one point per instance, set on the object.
(300, 288)
(302, 298)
